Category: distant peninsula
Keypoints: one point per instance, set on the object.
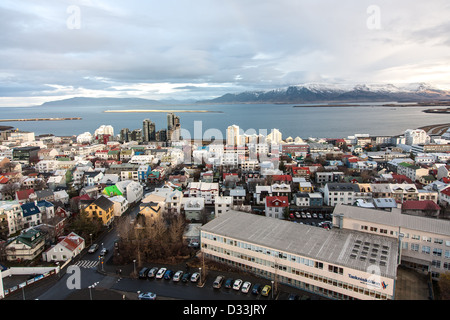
(153, 110)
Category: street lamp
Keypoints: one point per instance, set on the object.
(134, 263)
(90, 234)
(200, 269)
(272, 288)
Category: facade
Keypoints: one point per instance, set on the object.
(309, 258)
(66, 249)
(101, 208)
(26, 246)
(424, 243)
(335, 193)
(276, 206)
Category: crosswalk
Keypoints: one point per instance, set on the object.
(88, 264)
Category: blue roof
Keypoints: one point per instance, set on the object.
(45, 203)
(30, 209)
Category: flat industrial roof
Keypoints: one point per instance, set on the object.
(346, 248)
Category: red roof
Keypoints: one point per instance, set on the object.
(446, 191)
(281, 201)
(419, 205)
(24, 194)
(72, 241)
(282, 177)
(3, 179)
(401, 178)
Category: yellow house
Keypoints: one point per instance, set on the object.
(305, 187)
(101, 208)
(150, 210)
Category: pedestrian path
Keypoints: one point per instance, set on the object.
(88, 264)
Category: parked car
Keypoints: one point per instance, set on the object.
(266, 290)
(297, 215)
(178, 275)
(320, 216)
(308, 215)
(291, 215)
(160, 273)
(303, 215)
(237, 284)
(93, 248)
(293, 296)
(186, 277)
(314, 215)
(256, 288)
(228, 283)
(218, 282)
(168, 275)
(195, 276)
(246, 287)
(147, 296)
(143, 273)
(152, 272)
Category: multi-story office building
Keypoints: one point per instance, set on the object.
(336, 263)
(424, 242)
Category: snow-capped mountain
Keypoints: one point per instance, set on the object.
(322, 92)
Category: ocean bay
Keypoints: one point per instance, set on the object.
(311, 121)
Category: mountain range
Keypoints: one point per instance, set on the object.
(325, 93)
(304, 93)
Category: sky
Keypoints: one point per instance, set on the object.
(179, 49)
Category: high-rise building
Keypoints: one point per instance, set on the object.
(233, 137)
(124, 135)
(173, 127)
(148, 131)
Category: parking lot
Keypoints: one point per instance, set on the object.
(184, 287)
(314, 218)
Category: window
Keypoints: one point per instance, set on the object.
(437, 252)
(426, 249)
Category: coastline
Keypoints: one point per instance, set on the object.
(152, 110)
(40, 119)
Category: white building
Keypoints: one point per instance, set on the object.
(85, 137)
(222, 205)
(416, 136)
(104, 129)
(424, 242)
(277, 248)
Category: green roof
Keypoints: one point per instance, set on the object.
(112, 191)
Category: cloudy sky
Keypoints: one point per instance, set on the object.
(54, 49)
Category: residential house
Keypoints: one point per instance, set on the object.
(222, 204)
(194, 208)
(32, 215)
(208, 191)
(261, 192)
(101, 208)
(120, 205)
(276, 206)
(344, 193)
(68, 248)
(411, 171)
(61, 196)
(151, 210)
(92, 178)
(131, 190)
(14, 215)
(26, 246)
